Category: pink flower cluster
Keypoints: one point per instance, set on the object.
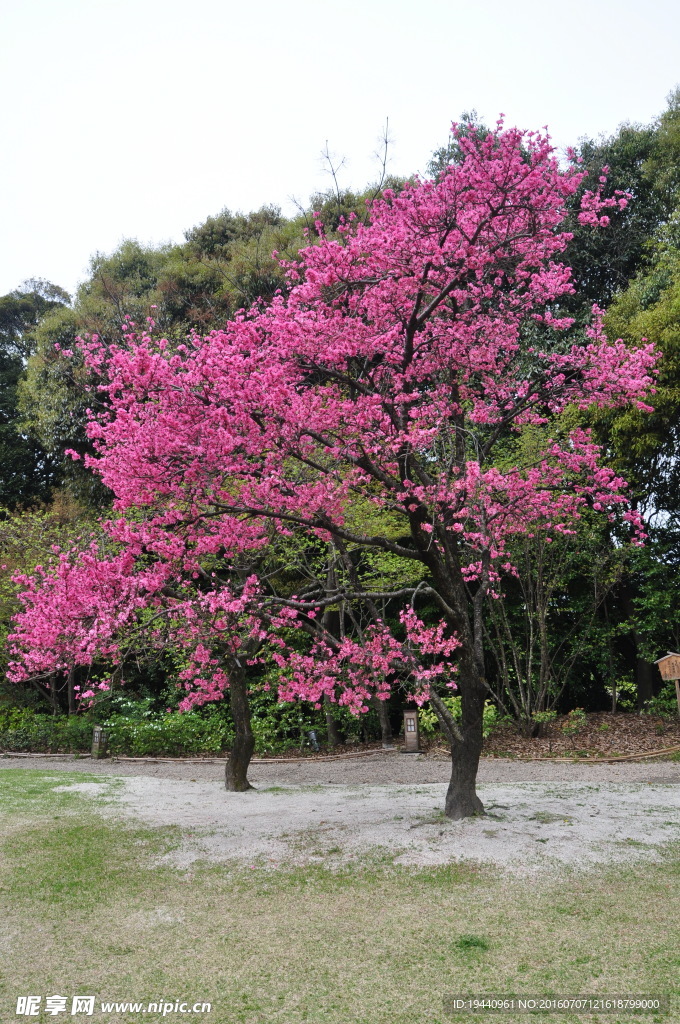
(353, 671)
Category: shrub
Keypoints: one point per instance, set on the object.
(177, 734)
(170, 735)
(137, 730)
(665, 704)
(429, 723)
(574, 722)
(626, 693)
(279, 726)
(22, 729)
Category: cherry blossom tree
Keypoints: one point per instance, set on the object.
(91, 609)
(380, 406)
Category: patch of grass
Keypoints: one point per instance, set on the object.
(439, 818)
(548, 818)
(40, 793)
(85, 872)
(86, 908)
(472, 942)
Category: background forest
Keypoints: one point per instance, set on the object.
(578, 627)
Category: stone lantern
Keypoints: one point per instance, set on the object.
(411, 732)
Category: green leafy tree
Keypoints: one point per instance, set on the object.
(28, 472)
(646, 448)
(603, 262)
(470, 121)
(643, 160)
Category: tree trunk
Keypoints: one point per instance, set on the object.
(385, 726)
(72, 708)
(461, 797)
(644, 670)
(334, 738)
(54, 695)
(644, 675)
(236, 770)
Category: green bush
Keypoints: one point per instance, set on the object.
(22, 729)
(14, 718)
(282, 726)
(665, 704)
(626, 693)
(170, 735)
(574, 722)
(429, 723)
(135, 729)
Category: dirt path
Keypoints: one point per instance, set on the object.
(373, 769)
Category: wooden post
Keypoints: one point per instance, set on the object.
(411, 733)
(99, 741)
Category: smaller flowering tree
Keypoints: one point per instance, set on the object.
(87, 609)
(73, 613)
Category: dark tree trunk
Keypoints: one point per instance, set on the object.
(645, 674)
(385, 726)
(54, 695)
(461, 797)
(236, 771)
(466, 736)
(334, 738)
(72, 709)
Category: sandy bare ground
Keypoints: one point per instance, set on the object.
(540, 817)
(529, 827)
(374, 769)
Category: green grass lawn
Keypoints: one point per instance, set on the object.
(86, 909)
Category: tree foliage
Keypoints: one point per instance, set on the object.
(401, 369)
(226, 264)
(28, 472)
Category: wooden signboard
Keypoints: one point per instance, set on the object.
(669, 667)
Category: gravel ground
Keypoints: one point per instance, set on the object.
(541, 817)
(373, 770)
(530, 828)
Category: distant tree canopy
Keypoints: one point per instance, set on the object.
(28, 470)
(225, 264)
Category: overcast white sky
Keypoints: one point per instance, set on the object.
(139, 118)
